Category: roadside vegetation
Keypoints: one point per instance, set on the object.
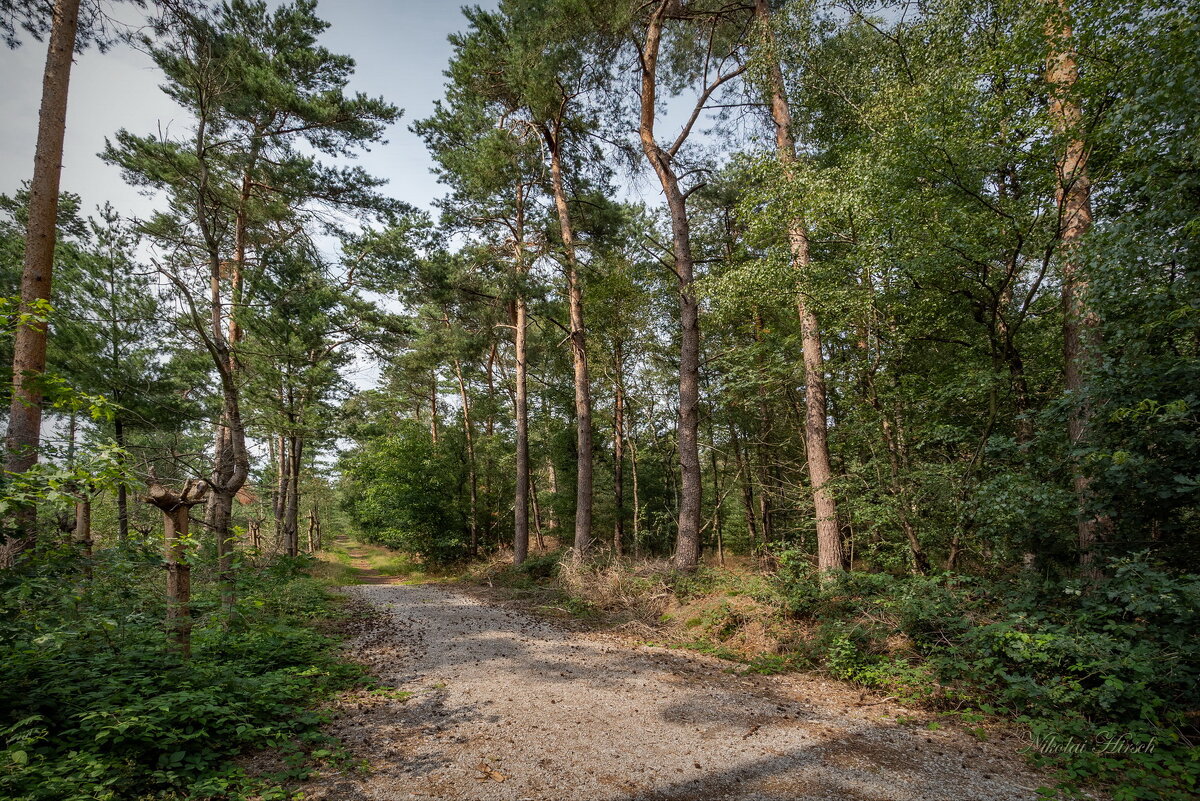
(97, 705)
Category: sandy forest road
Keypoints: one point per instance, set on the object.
(505, 706)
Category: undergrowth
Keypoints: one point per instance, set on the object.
(95, 705)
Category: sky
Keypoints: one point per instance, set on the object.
(399, 45)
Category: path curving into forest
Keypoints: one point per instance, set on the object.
(490, 703)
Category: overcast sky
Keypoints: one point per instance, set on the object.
(400, 47)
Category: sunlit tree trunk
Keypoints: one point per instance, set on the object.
(829, 540)
(521, 400)
(583, 402)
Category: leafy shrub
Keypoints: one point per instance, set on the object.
(96, 706)
(403, 492)
(1113, 672)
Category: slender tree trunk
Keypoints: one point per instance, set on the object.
(747, 489)
(521, 394)
(282, 484)
(472, 474)
(521, 505)
(829, 540)
(637, 507)
(122, 487)
(687, 545)
(433, 408)
(583, 401)
(83, 528)
(1080, 324)
(619, 451)
(291, 515)
(29, 344)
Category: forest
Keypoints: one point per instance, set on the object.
(855, 339)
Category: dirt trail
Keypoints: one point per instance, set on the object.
(367, 574)
(493, 704)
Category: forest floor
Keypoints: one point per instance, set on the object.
(478, 701)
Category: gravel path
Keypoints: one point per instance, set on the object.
(505, 706)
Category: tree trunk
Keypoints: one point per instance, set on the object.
(583, 401)
(521, 391)
(472, 475)
(175, 508)
(521, 504)
(687, 546)
(747, 489)
(619, 451)
(83, 528)
(433, 408)
(122, 488)
(29, 343)
(282, 480)
(829, 540)
(1080, 334)
(291, 514)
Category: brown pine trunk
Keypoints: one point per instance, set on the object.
(1080, 334)
(829, 539)
(619, 451)
(29, 344)
(687, 545)
(521, 395)
(583, 401)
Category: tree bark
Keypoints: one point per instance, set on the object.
(29, 344)
(521, 396)
(687, 545)
(472, 475)
(583, 401)
(83, 527)
(122, 488)
(1080, 324)
(175, 507)
(291, 514)
(619, 450)
(830, 555)
(747, 489)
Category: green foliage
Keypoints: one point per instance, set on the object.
(1104, 671)
(403, 491)
(97, 706)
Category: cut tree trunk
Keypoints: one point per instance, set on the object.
(175, 507)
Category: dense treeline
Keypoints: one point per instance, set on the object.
(917, 295)
(893, 303)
